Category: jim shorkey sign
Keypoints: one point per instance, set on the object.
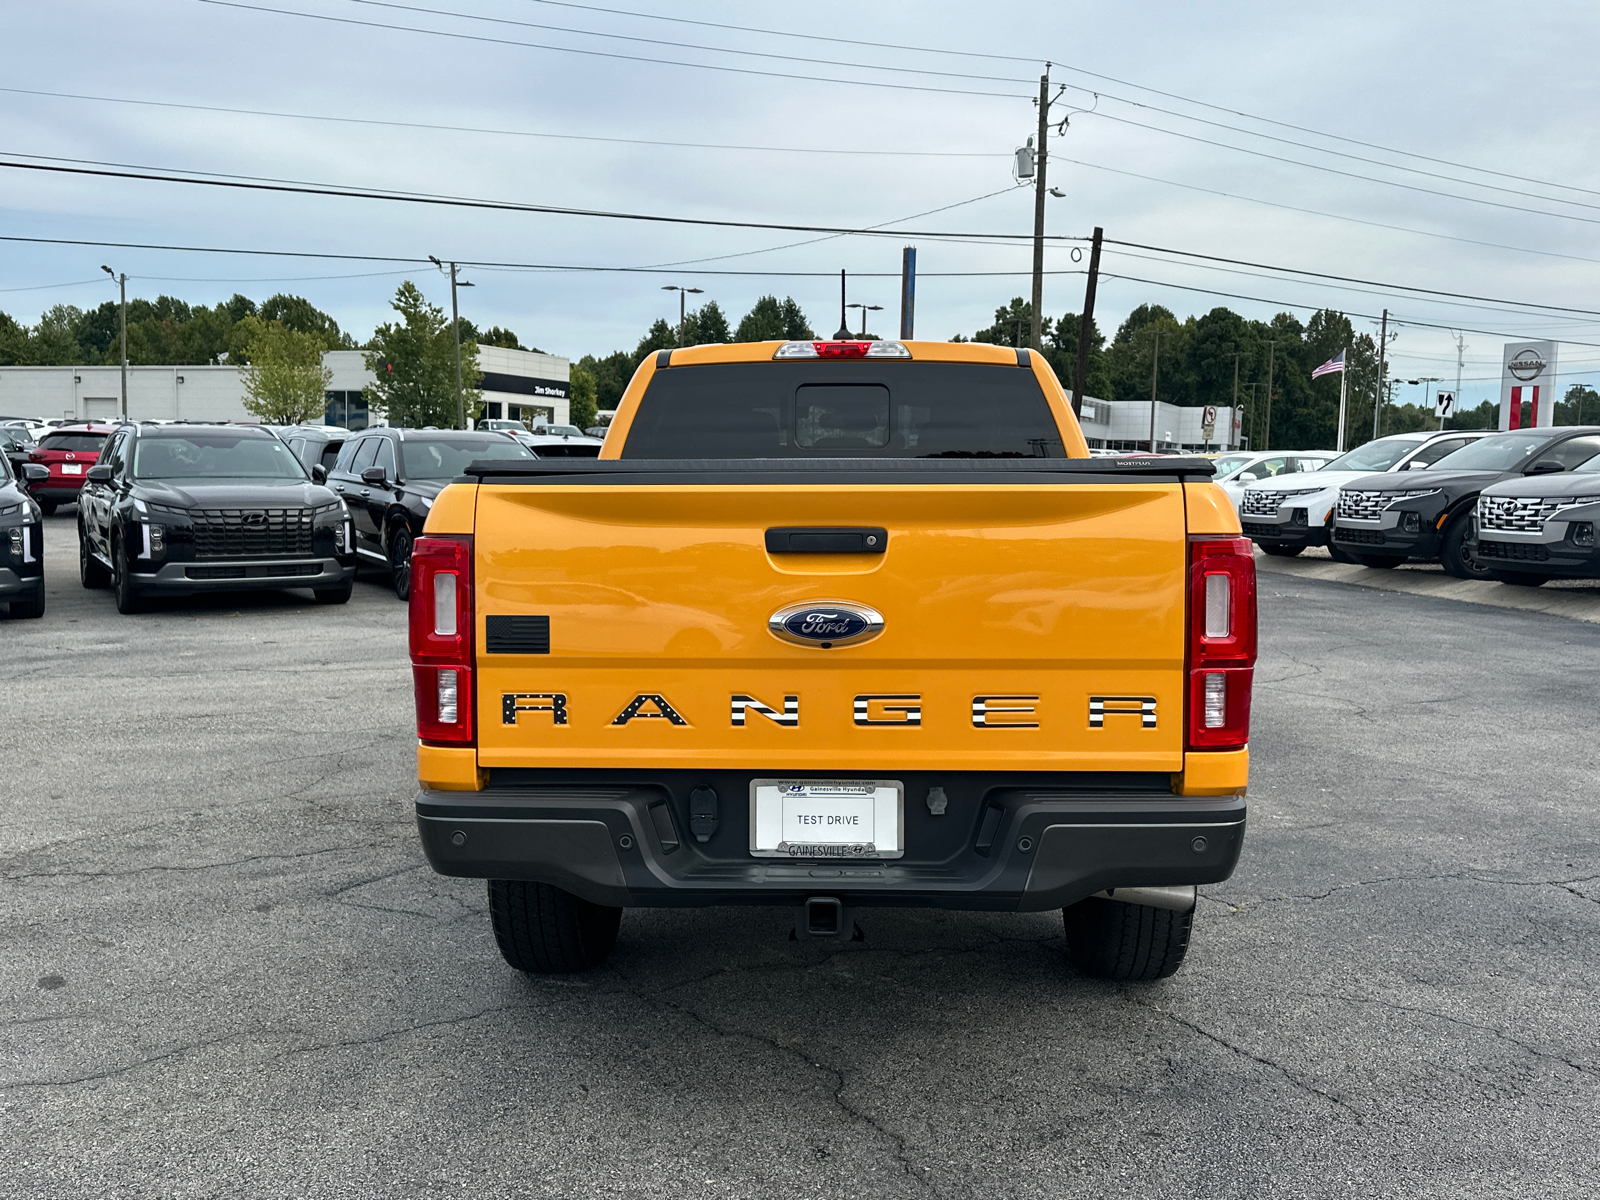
(1528, 382)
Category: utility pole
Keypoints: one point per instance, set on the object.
(1155, 366)
(1266, 434)
(1234, 412)
(122, 288)
(1252, 407)
(1080, 376)
(1377, 399)
(1037, 341)
(1461, 349)
(683, 308)
(908, 292)
(455, 325)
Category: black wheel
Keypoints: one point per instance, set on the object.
(546, 931)
(1113, 940)
(1281, 551)
(400, 562)
(1521, 578)
(90, 571)
(1383, 562)
(122, 586)
(29, 609)
(47, 507)
(1453, 551)
(335, 595)
(1338, 554)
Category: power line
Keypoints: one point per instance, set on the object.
(1448, 237)
(654, 61)
(1561, 308)
(299, 187)
(522, 133)
(1067, 66)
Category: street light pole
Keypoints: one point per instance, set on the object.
(122, 288)
(683, 310)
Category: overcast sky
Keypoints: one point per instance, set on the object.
(1505, 89)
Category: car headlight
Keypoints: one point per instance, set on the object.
(1577, 500)
(1413, 494)
(1301, 492)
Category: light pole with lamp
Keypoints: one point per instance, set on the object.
(865, 309)
(455, 325)
(122, 287)
(1424, 382)
(683, 295)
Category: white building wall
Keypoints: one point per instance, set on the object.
(1119, 424)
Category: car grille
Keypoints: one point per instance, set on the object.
(1260, 503)
(1362, 506)
(1521, 514)
(1256, 530)
(1363, 537)
(1514, 551)
(251, 532)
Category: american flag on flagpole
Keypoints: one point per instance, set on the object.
(1336, 363)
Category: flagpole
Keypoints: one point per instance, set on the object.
(1344, 374)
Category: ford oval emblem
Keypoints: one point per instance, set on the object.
(825, 623)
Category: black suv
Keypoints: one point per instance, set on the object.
(391, 477)
(21, 541)
(179, 509)
(315, 445)
(1386, 519)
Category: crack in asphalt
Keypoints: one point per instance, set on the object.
(188, 868)
(1360, 1118)
(1460, 876)
(899, 1153)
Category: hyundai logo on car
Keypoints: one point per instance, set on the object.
(825, 623)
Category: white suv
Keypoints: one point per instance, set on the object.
(1285, 514)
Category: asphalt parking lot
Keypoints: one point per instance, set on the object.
(227, 972)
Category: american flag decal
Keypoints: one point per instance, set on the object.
(1100, 707)
(790, 716)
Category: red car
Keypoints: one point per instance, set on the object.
(68, 452)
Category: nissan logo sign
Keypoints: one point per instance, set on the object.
(1526, 365)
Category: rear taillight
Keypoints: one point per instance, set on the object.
(1222, 641)
(441, 638)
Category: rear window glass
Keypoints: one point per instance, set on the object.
(445, 458)
(844, 410)
(78, 443)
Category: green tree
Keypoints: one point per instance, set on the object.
(495, 336)
(611, 375)
(1062, 351)
(55, 340)
(285, 382)
(1580, 407)
(581, 392)
(771, 321)
(1013, 325)
(660, 336)
(414, 361)
(299, 314)
(706, 325)
(13, 342)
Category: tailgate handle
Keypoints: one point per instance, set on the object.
(827, 539)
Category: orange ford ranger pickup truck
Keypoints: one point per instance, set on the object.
(836, 625)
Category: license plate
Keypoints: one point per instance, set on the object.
(72, 468)
(827, 818)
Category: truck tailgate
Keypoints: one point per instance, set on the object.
(658, 600)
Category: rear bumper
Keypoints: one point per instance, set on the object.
(187, 578)
(628, 845)
(55, 489)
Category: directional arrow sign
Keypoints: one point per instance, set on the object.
(1444, 404)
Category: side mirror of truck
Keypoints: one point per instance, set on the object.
(375, 476)
(35, 472)
(1545, 466)
(319, 473)
(1248, 477)
(98, 475)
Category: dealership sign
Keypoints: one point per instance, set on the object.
(1528, 385)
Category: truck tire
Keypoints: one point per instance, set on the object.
(129, 599)
(335, 595)
(1129, 942)
(1521, 578)
(28, 609)
(400, 562)
(546, 931)
(47, 507)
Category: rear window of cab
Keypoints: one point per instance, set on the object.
(842, 410)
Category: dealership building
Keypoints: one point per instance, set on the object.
(515, 383)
